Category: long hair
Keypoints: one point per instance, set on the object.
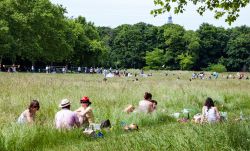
(209, 103)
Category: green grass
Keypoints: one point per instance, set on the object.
(156, 132)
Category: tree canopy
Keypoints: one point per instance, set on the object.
(37, 32)
(228, 8)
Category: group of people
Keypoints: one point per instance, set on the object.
(83, 116)
(65, 118)
(215, 75)
(203, 76)
(9, 68)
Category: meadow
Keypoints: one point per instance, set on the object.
(157, 131)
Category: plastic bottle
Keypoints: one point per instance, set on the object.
(241, 115)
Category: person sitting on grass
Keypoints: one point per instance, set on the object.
(85, 112)
(65, 118)
(28, 116)
(147, 105)
(210, 113)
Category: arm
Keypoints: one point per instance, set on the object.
(151, 107)
(78, 110)
(90, 116)
(30, 117)
(86, 111)
(76, 119)
(217, 113)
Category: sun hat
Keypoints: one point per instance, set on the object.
(84, 99)
(64, 103)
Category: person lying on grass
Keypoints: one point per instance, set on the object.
(28, 116)
(65, 118)
(147, 105)
(210, 113)
(85, 112)
(131, 127)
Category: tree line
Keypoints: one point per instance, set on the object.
(37, 32)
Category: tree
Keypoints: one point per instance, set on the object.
(238, 49)
(130, 43)
(5, 39)
(88, 48)
(38, 30)
(105, 34)
(155, 59)
(186, 61)
(179, 46)
(50, 29)
(230, 8)
(213, 41)
(192, 45)
(174, 39)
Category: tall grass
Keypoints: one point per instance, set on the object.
(157, 131)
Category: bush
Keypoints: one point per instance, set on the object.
(217, 67)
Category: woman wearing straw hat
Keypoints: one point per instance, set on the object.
(85, 112)
(65, 118)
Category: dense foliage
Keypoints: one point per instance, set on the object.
(37, 32)
(230, 8)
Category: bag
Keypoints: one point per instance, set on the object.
(105, 124)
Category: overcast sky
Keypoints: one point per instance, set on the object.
(113, 13)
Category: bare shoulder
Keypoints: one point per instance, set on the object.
(215, 108)
(26, 112)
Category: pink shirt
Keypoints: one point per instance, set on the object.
(66, 119)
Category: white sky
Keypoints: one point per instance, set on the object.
(113, 13)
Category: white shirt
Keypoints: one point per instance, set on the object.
(22, 118)
(210, 114)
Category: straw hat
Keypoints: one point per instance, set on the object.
(64, 103)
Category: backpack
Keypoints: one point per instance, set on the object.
(105, 124)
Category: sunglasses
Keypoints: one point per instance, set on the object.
(82, 102)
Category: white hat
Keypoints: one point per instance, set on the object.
(64, 103)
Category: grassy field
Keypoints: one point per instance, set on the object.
(157, 131)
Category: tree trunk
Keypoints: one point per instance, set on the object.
(1, 58)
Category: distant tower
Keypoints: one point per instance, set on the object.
(170, 21)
